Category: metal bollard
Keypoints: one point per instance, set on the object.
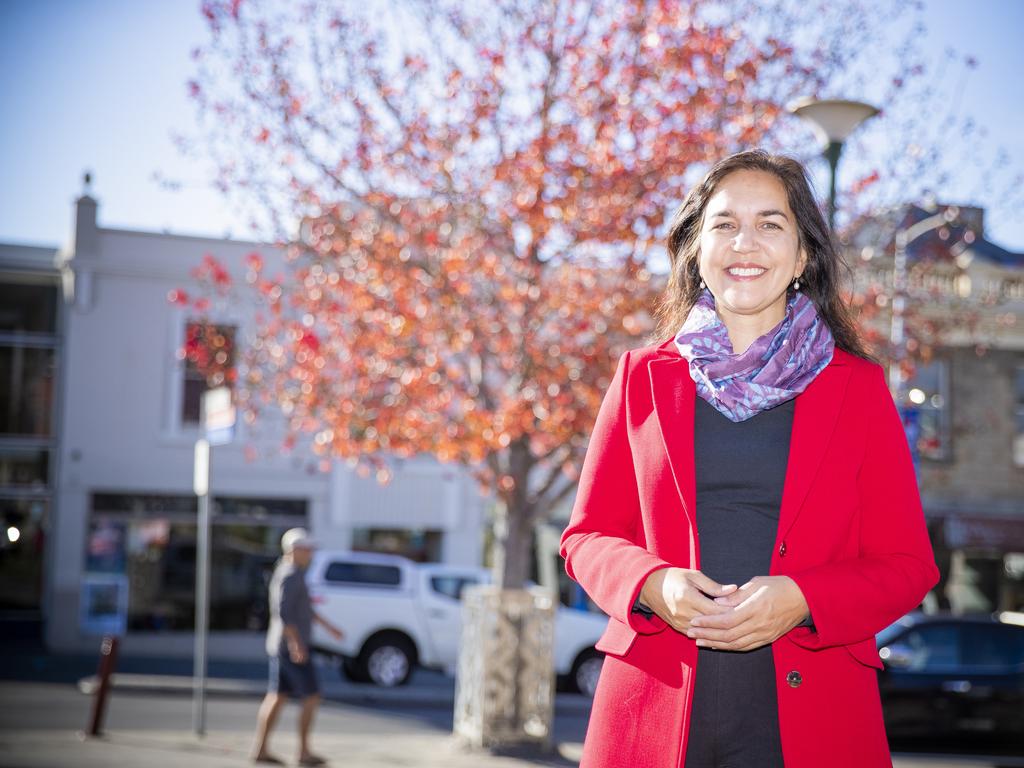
(108, 660)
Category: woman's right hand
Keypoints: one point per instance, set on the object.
(679, 594)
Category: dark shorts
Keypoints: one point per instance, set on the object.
(291, 679)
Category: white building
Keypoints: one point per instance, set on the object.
(112, 475)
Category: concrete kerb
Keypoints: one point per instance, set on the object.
(218, 686)
(405, 696)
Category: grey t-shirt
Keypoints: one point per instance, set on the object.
(289, 604)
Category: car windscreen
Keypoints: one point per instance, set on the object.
(887, 635)
(993, 647)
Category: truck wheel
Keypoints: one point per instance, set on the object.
(387, 661)
(586, 671)
(352, 670)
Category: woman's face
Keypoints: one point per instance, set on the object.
(749, 250)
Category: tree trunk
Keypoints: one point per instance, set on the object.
(513, 546)
(513, 524)
(506, 674)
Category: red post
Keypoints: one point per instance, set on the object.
(108, 660)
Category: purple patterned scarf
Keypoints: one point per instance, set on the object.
(775, 368)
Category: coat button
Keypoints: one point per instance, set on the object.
(794, 679)
(782, 549)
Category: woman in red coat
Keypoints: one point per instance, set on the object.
(747, 514)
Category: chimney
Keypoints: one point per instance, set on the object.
(80, 260)
(87, 241)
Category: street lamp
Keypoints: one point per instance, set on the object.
(833, 121)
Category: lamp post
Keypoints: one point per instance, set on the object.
(833, 121)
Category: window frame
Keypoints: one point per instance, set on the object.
(174, 430)
(185, 378)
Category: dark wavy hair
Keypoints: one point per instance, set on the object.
(821, 276)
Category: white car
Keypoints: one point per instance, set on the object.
(396, 613)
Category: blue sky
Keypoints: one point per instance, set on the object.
(100, 85)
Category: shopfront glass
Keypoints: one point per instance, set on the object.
(152, 541)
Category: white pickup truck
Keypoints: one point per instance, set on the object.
(396, 614)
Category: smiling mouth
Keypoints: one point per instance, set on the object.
(746, 271)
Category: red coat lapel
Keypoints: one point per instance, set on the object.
(814, 421)
(673, 392)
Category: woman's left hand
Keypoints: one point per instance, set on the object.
(763, 610)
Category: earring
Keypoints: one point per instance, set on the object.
(702, 286)
(796, 283)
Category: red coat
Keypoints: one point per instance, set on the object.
(851, 534)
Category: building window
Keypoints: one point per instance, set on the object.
(1018, 406)
(151, 539)
(29, 351)
(927, 411)
(24, 467)
(21, 552)
(209, 362)
(28, 307)
(26, 390)
(417, 544)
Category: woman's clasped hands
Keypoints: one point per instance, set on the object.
(724, 616)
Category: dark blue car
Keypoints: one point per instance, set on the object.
(951, 676)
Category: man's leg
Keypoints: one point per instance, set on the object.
(269, 710)
(309, 705)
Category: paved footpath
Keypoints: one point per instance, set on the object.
(162, 749)
(40, 722)
(40, 726)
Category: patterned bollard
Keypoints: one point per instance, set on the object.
(505, 684)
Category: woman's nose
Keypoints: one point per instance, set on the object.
(744, 240)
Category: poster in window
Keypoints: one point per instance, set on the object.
(104, 604)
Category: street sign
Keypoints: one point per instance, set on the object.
(218, 429)
(218, 416)
(201, 468)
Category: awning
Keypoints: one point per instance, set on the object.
(966, 531)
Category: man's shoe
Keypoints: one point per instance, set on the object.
(267, 759)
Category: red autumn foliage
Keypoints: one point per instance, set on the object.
(481, 193)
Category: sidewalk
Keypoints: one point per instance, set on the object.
(162, 749)
(150, 729)
(40, 725)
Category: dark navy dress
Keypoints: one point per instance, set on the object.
(740, 471)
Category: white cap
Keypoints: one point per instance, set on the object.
(297, 538)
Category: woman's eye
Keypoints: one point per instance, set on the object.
(723, 225)
(772, 225)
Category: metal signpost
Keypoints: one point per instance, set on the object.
(218, 426)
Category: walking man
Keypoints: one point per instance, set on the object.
(288, 638)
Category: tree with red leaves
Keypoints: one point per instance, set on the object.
(471, 198)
